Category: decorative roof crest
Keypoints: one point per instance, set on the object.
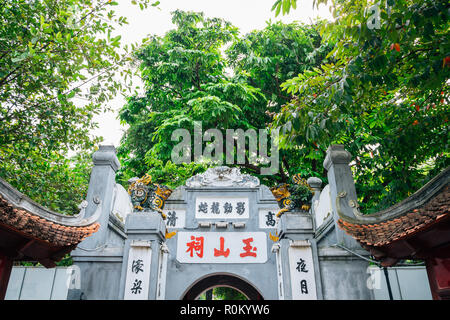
(222, 176)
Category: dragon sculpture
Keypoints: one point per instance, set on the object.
(147, 195)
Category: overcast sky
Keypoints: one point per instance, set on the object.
(247, 15)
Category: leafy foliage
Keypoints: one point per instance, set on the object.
(50, 53)
(284, 6)
(189, 79)
(385, 95)
(222, 293)
(51, 179)
(301, 194)
(226, 293)
(185, 79)
(270, 57)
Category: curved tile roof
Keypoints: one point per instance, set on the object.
(21, 215)
(403, 226)
(41, 228)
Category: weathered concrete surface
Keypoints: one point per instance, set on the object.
(100, 257)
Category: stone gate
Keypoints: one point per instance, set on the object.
(220, 229)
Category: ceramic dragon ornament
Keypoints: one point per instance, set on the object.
(296, 196)
(147, 195)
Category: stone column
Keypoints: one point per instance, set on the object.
(99, 257)
(100, 192)
(342, 261)
(297, 245)
(342, 190)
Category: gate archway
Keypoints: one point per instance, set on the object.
(222, 280)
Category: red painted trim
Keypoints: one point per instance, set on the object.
(439, 277)
(5, 271)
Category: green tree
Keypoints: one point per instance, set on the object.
(186, 81)
(51, 179)
(50, 53)
(189, 79)
(385, 96)
(269, 57)
(284, 6)
(222, 293)
(227, 293)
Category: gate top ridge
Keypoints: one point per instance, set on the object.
(222, 176)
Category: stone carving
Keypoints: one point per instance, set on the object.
(295, 196)
(146, 195)
(222, 177)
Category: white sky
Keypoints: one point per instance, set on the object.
(247, 15)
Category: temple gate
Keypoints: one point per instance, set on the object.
(220, 229)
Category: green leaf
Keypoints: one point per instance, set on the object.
(71, 94)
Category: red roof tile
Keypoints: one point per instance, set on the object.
(41, 228)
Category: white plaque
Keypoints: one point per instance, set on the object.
(175, 218)
(221, 208)
(267, 218)
(222, 247)
(138, 271)
(301, 267)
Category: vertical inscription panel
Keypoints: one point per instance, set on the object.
(267, 218)
(175, 218)
(303, 282)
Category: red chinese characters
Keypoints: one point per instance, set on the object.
(249, 250)
(224, 248)
(221, 251)
(196, 245)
